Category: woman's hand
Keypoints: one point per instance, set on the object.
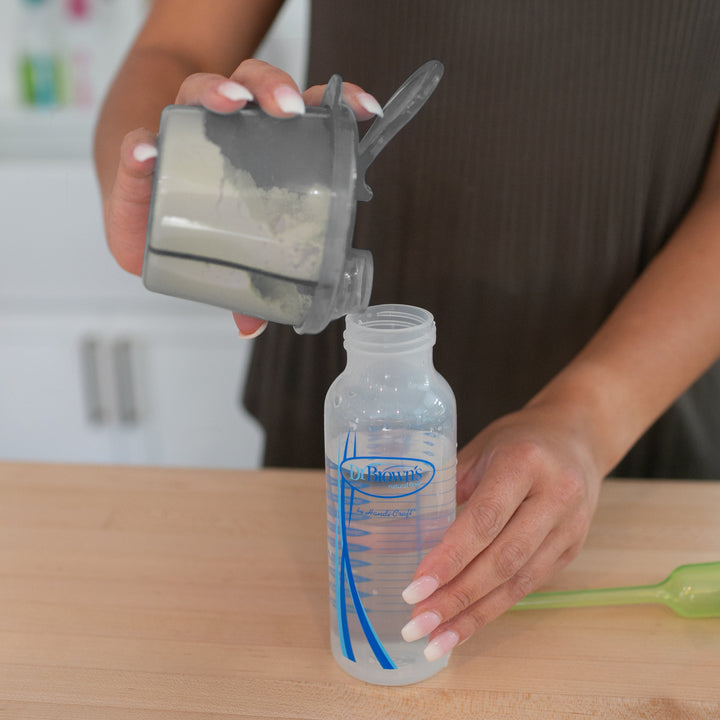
(127, 205)
(530, 488)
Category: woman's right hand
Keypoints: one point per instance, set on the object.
(128, 203)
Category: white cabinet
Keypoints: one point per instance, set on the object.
(135, 390)
(181, 384)
(93, 367)
(42, 411)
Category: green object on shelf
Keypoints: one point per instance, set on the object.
(40, 80)
(692, 591)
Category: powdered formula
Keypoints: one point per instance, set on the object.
(270, 239)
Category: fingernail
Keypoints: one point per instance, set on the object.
(420, 589)
(420, 626)
(144, 151)
(289, 100)
(370, 104)
(258, 331)
(234, 91)
(441, 645)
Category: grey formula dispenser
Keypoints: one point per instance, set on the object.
(255, 214)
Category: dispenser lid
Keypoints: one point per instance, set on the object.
(346, 274)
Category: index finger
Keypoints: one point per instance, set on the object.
(215, 92)
(499, 493)
(274, 89)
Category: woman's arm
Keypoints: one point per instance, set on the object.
(188, 52)
(532, 478)
(662, 336)
(178, 38)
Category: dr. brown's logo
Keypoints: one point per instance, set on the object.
(387, 476)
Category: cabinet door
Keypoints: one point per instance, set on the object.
(186, 378)
(55, 254)
(139, 378)
(136, 390)
(53, 406)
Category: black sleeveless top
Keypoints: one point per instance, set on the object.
(564, 144)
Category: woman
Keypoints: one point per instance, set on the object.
(556, 205)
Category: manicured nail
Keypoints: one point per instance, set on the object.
(254, 333)
(441, 645)
(234, 91)
(420, 626)
(289, 100)
(420, 589)
(144, 151)
(370, 104)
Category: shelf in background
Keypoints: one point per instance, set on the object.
(30, 134)
(46, 134)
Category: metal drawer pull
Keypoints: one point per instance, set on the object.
(92, 391)
(124, 383)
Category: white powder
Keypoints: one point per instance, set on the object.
(214, 212)
(290, 226)
(286, 233)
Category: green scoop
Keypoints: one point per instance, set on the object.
(692, 591)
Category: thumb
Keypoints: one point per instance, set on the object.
(126, 209)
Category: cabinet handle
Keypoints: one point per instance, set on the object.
(90, 367)
(124, 383)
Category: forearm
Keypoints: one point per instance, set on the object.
(151, 77)
(662, 336)
(179, 38)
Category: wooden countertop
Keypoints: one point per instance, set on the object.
(160, 594)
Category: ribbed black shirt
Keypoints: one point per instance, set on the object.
(564, 144)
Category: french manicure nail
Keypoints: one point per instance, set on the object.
(370, 104)
(258, 331)
(289, 100)
(420, 626)
(234, 91)
(144, 151)
(420, 589)
(441, 645)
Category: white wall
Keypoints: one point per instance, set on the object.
(56, 268)
(118, 21)
(286, 43)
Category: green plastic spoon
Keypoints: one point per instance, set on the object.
(692, 591)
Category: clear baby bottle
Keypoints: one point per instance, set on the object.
(390, 439)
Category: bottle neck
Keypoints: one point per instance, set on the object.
(390, 333)
(420, 359)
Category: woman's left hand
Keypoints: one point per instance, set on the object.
(530, 486)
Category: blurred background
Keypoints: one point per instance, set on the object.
(93, 367)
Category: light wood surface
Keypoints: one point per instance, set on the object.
(202, 595)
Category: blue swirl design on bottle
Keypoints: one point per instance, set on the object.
(344, 571)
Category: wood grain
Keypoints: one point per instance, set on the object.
(132, 593)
